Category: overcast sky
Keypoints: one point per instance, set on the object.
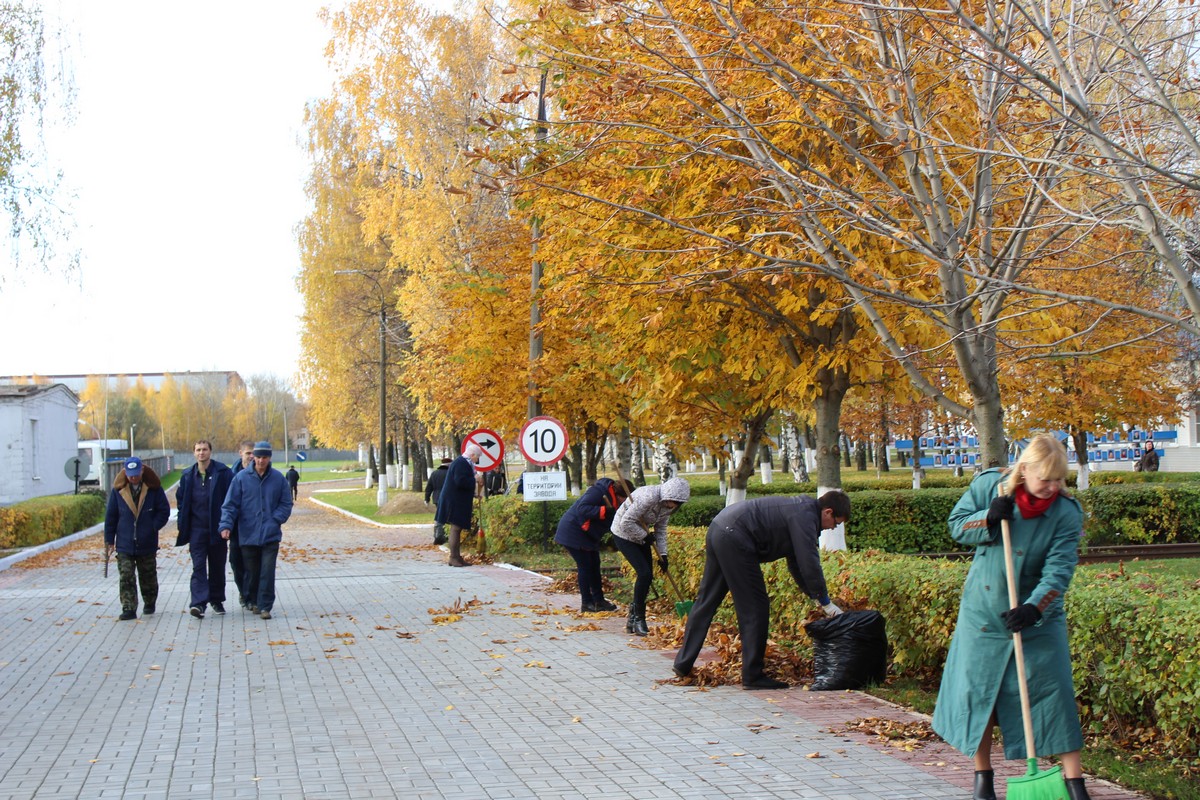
(187, 161)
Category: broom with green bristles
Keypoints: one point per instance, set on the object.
(1034, 784)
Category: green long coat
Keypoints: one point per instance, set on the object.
(980, 672)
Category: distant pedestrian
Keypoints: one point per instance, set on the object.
(581, 531)
(237, 564)
(740, 539)
(433, 491)
(137, 510)
(293, 479)
(201, 492)
(639, 529)
(463, 484)
(495, 482)
(1149, 460)
(259, 501)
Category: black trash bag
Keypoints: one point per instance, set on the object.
(849, 650)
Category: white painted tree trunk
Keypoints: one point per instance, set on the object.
(765, 469)
(835, 538)
(734, 496)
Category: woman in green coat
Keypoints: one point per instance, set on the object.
(979, 685)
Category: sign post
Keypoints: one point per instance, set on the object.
(544, 441)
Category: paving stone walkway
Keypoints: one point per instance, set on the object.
(386, 674)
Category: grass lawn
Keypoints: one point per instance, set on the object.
(409, 507)
(323, 470)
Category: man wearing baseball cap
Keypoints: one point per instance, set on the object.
(259, 502)
(137, 510)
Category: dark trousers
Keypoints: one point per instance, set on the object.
(237, 565)
(639, 557)
(260, 574)
(731, 566)
(208, 568)
(135, 570)
(587, 568)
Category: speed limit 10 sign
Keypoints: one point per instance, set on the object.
(543, 441)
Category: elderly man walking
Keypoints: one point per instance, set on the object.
(259, 502)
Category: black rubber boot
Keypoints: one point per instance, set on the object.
(985, 788)
(1076, 790)
(635, 623)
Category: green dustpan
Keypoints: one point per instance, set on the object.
(682, 607)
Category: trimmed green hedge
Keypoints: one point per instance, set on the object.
(907, 521)
(1133, 645)
(44, 519)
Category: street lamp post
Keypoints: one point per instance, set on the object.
(131, 427)
(381, 461)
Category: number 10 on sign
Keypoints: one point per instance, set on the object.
(543, 441)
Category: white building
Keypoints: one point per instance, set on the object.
(37, 437)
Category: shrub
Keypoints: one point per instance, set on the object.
(43, 519)
(1135, 653)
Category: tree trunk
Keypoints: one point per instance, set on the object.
(752, 432)
(834, 385)
(624, 452)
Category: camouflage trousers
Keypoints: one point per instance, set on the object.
(146, 574)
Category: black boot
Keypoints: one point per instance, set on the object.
(635, 623)
(588, 608)
(605, 605)
(1076, 790)
(984, 785)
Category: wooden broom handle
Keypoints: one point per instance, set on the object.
(1018, 649)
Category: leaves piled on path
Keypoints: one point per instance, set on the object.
(455, 612)
(91, 547)
(726, 668)
(902, 735)
(569, 584)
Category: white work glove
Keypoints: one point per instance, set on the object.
(831, 609)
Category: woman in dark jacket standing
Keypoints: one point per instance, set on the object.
(979, 687)
(581, 531)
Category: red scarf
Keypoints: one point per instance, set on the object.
(1032, 506)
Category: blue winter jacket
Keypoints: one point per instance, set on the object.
(259, 504)
(589, 517)
(220, 476)
(133, 527)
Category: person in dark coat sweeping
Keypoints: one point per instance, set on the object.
(463, 484)
(740, 539)
(581, 531)
(979, 684)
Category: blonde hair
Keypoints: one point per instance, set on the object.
(1045, 454)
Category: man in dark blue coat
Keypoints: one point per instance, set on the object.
(581, 530)
(202, 490)
(463, 485)
(237, 564)
(259, 502)
(137, 510)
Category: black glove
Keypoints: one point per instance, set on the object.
(662, 562)
(1021, 617)
(1001, 508)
